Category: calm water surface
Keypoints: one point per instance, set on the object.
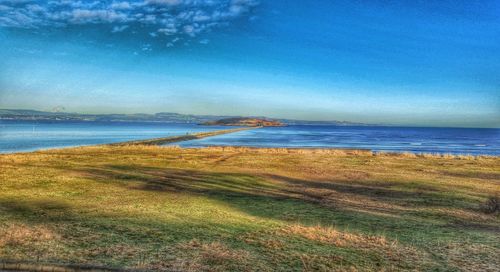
(16, 136)
(377, 138)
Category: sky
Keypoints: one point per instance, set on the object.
(412, 63)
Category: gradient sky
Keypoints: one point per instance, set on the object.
(423, 63)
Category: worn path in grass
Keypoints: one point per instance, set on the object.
(249, 209)
(181, 138)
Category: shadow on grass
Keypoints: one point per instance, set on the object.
(110, 237)
(102, 239)
(347, 204)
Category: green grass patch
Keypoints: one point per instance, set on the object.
(248, 210)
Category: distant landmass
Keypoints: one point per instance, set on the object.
(245, 121)
(165, 117)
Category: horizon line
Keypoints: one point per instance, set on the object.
(256, 116)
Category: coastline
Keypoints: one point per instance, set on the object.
(252, 149)
(273, 150)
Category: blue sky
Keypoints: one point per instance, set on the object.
(424, 63)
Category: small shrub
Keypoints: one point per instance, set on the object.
(492, 205)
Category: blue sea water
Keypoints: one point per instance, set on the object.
(376, 138)
(18, 136)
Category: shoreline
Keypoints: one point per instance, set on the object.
(262, 150)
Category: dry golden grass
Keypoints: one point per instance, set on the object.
(250, 209)
(335, 237)
(195, 255)
(22, 235)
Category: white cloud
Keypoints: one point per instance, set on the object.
(172, 18)
(119, 28)
(121, 5)
(4, 8)
(86, 16)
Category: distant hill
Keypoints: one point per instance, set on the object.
(245, 121)
(165, 117)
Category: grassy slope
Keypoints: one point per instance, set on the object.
(238, 209)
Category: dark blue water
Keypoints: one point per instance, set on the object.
(377, 138)
(16, 136)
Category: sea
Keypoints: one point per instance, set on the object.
(24, 136)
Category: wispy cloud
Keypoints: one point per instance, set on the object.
(169, 19)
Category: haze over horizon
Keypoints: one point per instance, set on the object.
(384, 62)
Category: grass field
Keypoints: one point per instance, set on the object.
(240, 209)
